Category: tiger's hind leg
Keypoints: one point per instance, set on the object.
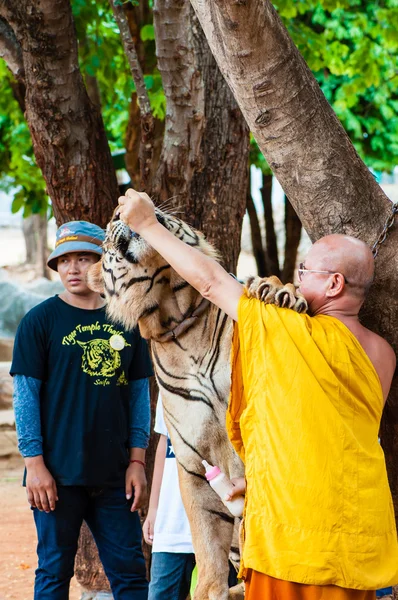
(212, 529)
(237, 592)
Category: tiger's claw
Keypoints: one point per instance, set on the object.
(271, 290)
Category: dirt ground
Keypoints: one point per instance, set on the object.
(18, 536)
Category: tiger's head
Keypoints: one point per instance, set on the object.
(139, 286)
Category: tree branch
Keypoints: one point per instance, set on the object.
(10, 50)
(294, 126)
(147, 121)
(184, 89)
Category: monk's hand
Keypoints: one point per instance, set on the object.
(239, 488)
(137, 210)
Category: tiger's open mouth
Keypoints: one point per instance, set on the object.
(129, 244)
(119, 235)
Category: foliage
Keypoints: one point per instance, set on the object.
(19, 175)
(352, 48)
(350, 45)
(101, 56)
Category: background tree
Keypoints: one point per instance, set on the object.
(200, 161)
(351, 48)
(205, 147)
(312, 156)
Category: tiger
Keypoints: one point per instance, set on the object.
(190, 346)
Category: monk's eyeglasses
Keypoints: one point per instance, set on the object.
(302, 270)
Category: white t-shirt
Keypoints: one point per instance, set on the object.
(171, 531)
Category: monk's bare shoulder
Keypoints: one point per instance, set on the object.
(383, 358)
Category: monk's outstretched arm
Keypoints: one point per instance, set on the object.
(199, 270)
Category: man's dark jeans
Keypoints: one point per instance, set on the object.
(117, 533)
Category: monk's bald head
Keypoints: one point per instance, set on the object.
(346, 255)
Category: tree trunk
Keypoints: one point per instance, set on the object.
(88, 567)
(132, 143)
(28, 231)
(218, 189)
(203, 167)
(292, 240)
(270, 235)
(311, 155)
(34, 229)
(137, 17)
(40, 225)
(146, 118)
(93, 90)
(256, 237)
(67, 131)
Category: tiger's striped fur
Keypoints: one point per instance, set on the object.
(193, 373)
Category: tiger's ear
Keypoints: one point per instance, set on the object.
(94, 278)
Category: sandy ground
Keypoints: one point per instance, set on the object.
(18, 536)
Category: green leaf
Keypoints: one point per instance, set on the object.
(17, 204)
(147, 33)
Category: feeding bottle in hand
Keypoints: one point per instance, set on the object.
(223, 486)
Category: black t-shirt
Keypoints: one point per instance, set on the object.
(85, 363)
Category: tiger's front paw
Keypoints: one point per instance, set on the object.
(271, 290)
(289, 297)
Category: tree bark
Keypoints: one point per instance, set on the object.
(311, 155)
(88, 567)
(67, 131)
(147, 123)
(34, 229)
(218, 189)
(203, 166)
(93, 90)
(184, 89)
(270, 235)
(292, 240)
(132, 143)
(137, 17)
(10, 50)
(256, 236)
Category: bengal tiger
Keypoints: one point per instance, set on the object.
(190, 345)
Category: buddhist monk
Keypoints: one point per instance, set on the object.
(307, 396)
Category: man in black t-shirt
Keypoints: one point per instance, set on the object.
(82, 412)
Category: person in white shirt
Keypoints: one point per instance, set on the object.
(166, 527)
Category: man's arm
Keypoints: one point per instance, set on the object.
(40, 485)
(160, 457)
(140, 418)
(202, 272)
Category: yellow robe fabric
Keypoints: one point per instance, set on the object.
(304, 415)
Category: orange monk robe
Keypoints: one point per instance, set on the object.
(304, 415)
(264, 587)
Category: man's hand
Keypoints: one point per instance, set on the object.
(149, 526)
(136, 209)
(136, 482)
(239, 488)
(41, 488)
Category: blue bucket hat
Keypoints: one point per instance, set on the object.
(76, 236)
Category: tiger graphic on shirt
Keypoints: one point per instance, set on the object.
(191, 356)
(100, 359)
